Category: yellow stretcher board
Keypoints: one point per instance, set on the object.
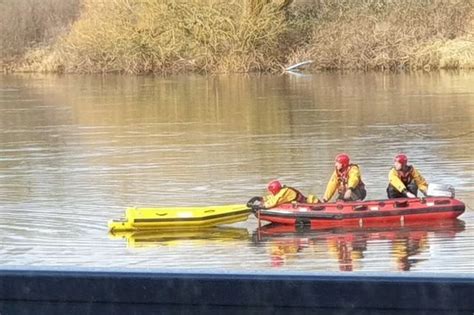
(179, 217)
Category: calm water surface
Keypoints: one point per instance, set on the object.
(76, 150)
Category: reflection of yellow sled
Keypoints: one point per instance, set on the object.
(185, 217)
(154, 238)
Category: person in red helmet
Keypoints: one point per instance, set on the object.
(346, 180)
(280, 194)
(404, 180)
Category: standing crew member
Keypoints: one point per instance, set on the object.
(404, 180)
(346, 179)
(283, 194)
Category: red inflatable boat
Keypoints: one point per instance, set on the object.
(364, 213)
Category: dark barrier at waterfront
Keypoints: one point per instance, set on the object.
(41, 308)
(236, 292)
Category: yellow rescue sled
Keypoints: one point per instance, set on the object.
(175, 218)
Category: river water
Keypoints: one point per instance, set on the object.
(75, 151)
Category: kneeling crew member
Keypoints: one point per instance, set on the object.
(404, 180)
(346, 179)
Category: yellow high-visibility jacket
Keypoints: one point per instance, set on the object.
(286, 195)
(394, 178)
(339, 182)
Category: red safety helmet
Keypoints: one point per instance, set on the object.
(401, 158)
(343, 159)
(274, 187)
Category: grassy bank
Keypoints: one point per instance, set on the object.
(169, 36)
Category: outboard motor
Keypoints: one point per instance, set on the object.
(440, 190)
(255, 203)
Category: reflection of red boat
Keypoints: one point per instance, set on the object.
(348, 245)
(364, 213)
(446, 228)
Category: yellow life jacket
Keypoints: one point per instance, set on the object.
(343, 179)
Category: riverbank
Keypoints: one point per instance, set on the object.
(162, 37)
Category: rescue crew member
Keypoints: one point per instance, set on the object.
(404, 180)
(346, 180)
(283, 194)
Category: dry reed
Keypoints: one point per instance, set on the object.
(28, 23)
(389, 34)
(168, 36)
(162, 36)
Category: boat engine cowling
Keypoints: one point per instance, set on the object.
(440, 190)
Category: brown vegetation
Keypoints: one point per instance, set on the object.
(28, 23)
(389, 34)
(164, 36)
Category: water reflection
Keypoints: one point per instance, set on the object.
(143, 239)
(286, 243)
